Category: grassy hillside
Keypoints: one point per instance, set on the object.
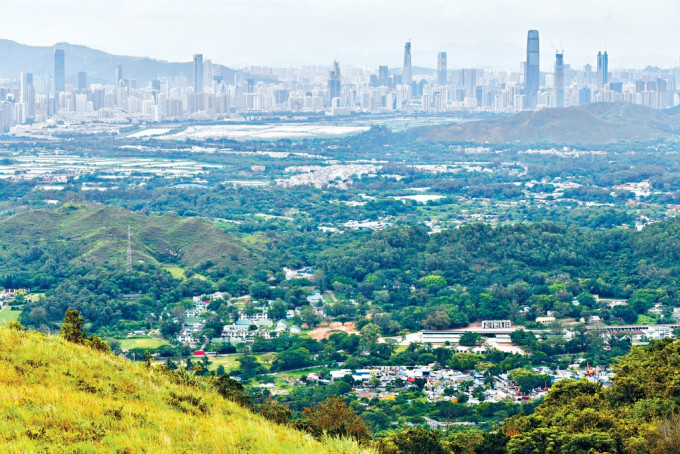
(597, 123)
(97, 234)
(57, 396)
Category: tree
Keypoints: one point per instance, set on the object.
(464, 361)
(72, 328)
(308, 315)
(334, 418)
(169, 329)
(528, 380)
(625, 313)
(370, 332)
(72, 331)
(464, 442)
(232, 390)
(274, 411)
(292, 359)
(433, 281)
(437, 320)
(415, 441)
(249, 366)
(470, 339)
(586, 299)
(278, 310)
(523, 338)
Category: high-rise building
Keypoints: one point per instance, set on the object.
(531, 77)
(602, 69)
(383, 76)
(59, 71)
(587, 74)
(26, 84)
(406, 73)
(28, 95)
(198, 73)
(441, 68)
(559, 79)
(334, 84)
(118, 74)
(82, 81)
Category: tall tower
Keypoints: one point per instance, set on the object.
(198, 73)
(59, 71)
(602, 69)
(532, 74)
(82, 81)
(383, 76)
(406, 73)
(559, 79)
(129, 251)
(334, 84)
(118, 74)
(441, 68)
(27, 95)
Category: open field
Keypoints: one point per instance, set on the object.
(230, 362)
(322, 332)
(141, 342)
(8, 315)
(177, 272)
(263, 132)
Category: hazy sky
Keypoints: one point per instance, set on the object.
(359, 32)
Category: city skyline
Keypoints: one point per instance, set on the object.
(472, 35)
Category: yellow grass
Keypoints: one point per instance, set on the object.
(60, 397)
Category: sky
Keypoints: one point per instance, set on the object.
(282, 33)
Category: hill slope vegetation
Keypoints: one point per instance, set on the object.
(56, 395)
(97, 235)
(597, 123)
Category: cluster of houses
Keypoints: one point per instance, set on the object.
(385, 382)
(246, 327)
(8, 295)
(194, 319)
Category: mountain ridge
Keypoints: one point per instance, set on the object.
(99, 65)
(596, 123)
(97, 234)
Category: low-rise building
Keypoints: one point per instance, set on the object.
(495, 324)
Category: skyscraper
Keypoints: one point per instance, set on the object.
(334, 81)
(441, 68)
(59, 71)
(532, 69)
(559, 79)
(406, 73)
(28, 95)
(383, 76)
(118, 74)
(82, 81)
(198, 73)
(602, 69)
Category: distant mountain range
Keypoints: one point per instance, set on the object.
(100, 66)
(597, 123)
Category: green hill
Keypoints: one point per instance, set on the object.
(56, 396)
(97, 234)
(597, 123)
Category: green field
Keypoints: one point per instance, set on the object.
(230, 362)
(645, 320)
(34, 296)
(8, 315)
(141, 342)
(176, 271)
